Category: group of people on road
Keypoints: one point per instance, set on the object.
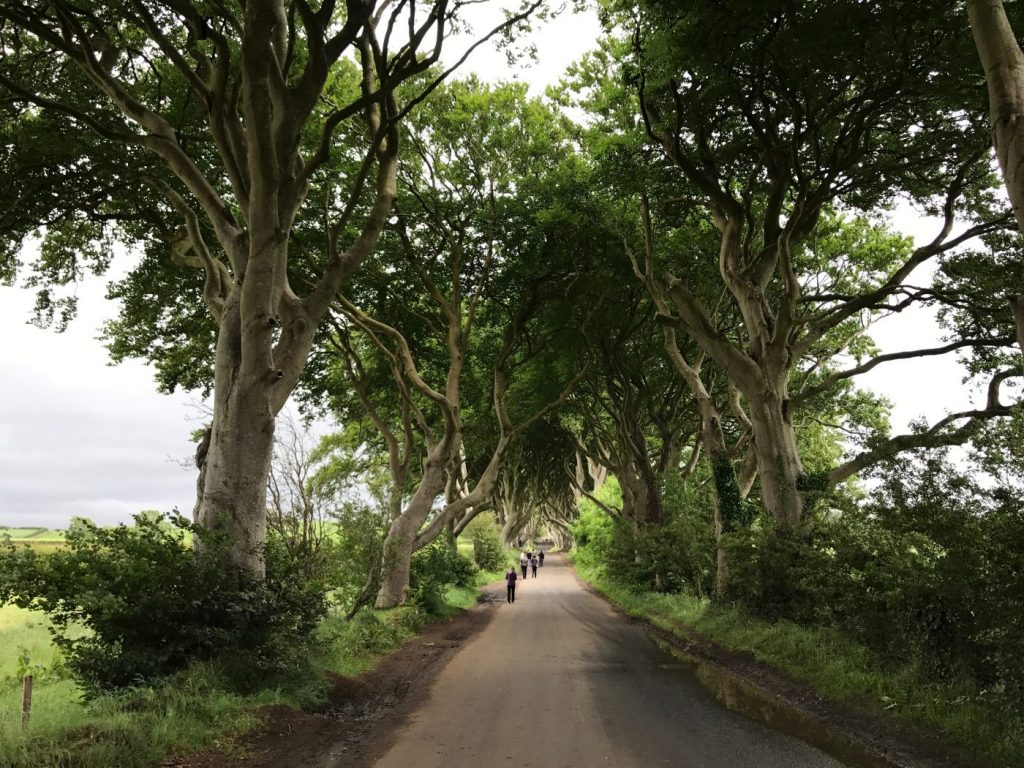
(527, 559)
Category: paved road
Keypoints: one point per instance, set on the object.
(558, 680)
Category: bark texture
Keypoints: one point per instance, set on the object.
(1003, 62)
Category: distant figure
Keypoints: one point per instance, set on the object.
(540, 556)
(510, 581)
(523, 562)
(533, 565)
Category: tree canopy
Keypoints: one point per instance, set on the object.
(667, 270)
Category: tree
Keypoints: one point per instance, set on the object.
(210, 133)
(470, 295)
(297, 508)
(532, 493)
(770, 118)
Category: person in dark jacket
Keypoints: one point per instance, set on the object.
(540, 556)
(510, 581)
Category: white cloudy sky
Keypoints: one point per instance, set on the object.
(80, 437)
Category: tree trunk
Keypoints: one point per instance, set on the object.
(1003, 62)
(399, 544)
(726, 490)
(641, 497)
(396, 563)
(778, 461)
(237, 464)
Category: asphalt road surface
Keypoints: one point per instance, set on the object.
(558, 680)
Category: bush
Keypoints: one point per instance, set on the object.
(930, 570)
(435, 568)
(488, 551)
(152, 606)
(357, 547)
(367, 633)
(673, 557)
(594, 531)
(776, 574)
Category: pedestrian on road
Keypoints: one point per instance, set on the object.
(540, 556)
(523, 562)
(533, 565)
(510, 581)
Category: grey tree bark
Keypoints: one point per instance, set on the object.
(1003, 62)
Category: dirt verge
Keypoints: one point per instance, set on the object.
(362, 715)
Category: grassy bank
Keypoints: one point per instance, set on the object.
(143, 726)
(837, 667)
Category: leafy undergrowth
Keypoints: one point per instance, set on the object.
(197, 708)
(837, 667)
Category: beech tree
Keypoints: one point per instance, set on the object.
(769, 119)
(207, 131)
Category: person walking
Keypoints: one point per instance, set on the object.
(510, 582)
(533, 565)
(540, 556)
(523, 562)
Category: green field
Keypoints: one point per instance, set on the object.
(42, 540)
(32, 534)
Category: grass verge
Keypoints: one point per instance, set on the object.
(836, 666)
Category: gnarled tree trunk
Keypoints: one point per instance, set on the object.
(778, 460)
(396, 563)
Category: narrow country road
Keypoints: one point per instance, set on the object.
(558, 680)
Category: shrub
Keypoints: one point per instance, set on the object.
(675, 556)
(435, 568)
(488, 551)
(928, 570)
(359, 539)
(152, 606)
(775, 574)
(368, 633)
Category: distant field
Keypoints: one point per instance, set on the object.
(42, 540)
(34, 534)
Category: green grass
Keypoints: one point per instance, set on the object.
(350, 648)
(462, 598)
(837, 667)
(134, 730)
(23, 630)
(143, 726)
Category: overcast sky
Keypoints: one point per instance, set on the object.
(80, 437)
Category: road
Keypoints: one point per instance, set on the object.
(558, 680)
